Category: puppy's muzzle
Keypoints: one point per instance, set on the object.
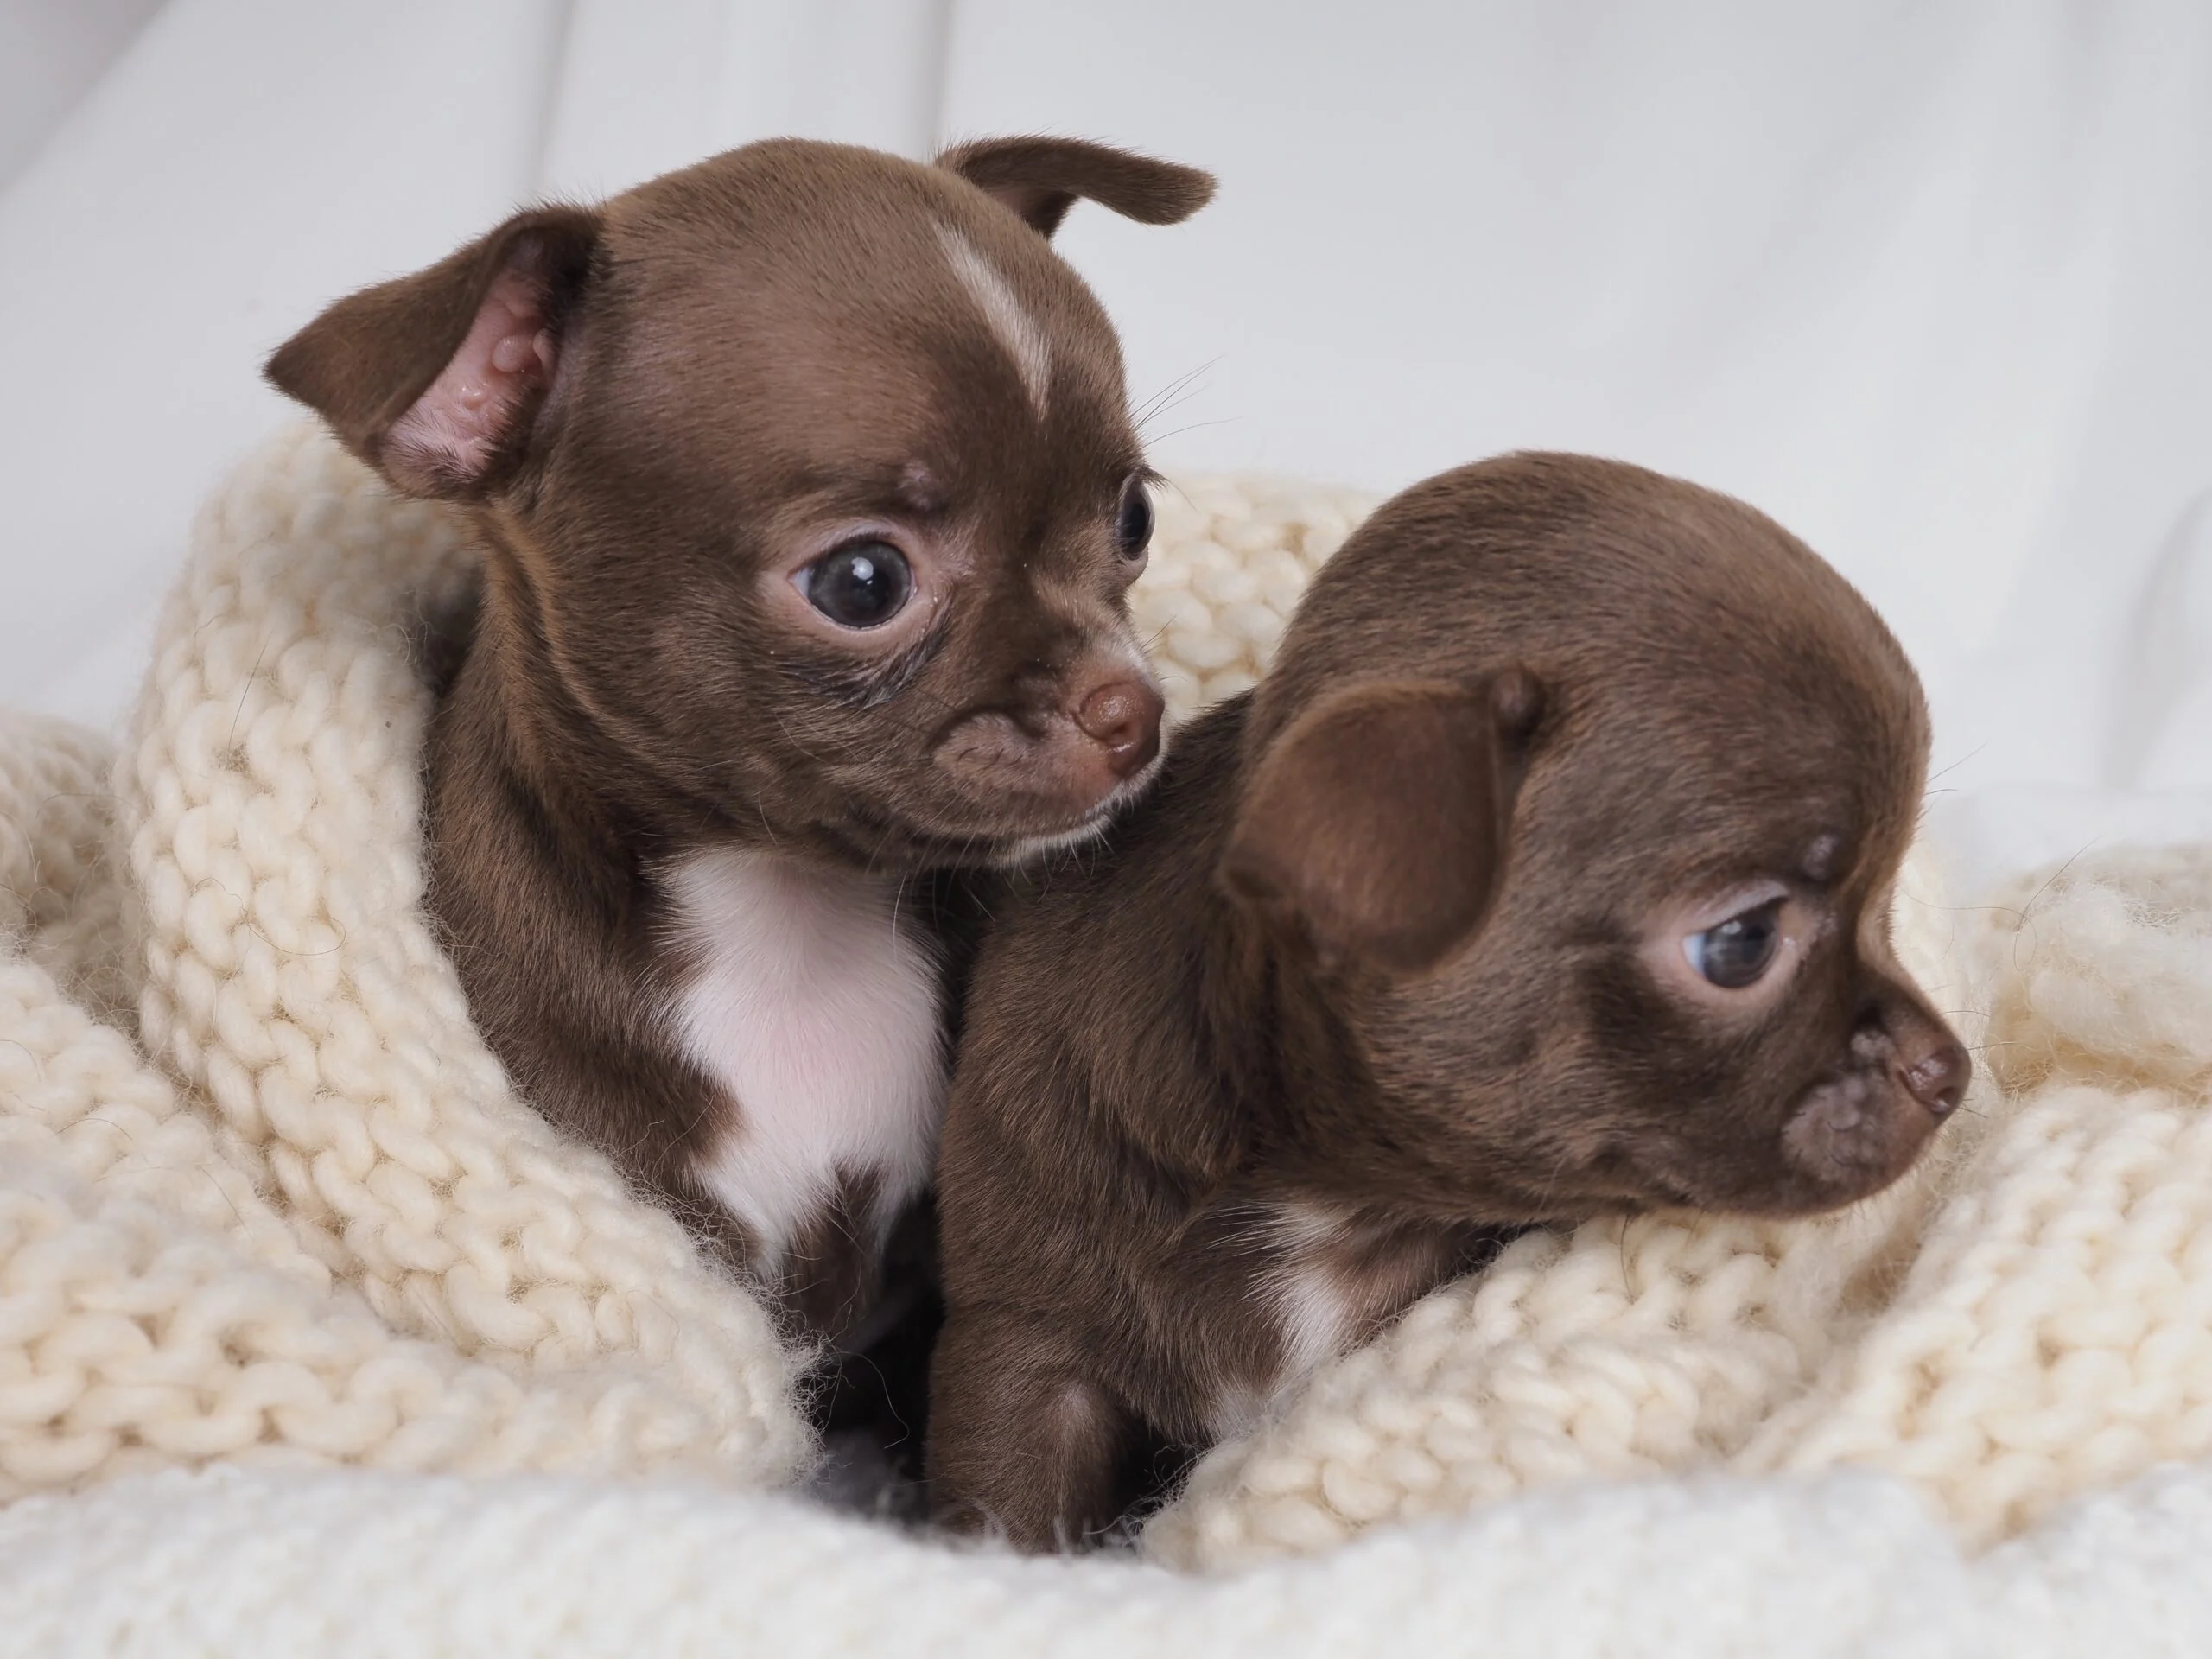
(1855, 1133)
(1066, 758)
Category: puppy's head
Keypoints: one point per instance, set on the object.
(810, 479)
(1577, 799)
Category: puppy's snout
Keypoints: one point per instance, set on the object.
(1933, 1070)
(1067, 747)
(1859, 1128)
(1123, 717)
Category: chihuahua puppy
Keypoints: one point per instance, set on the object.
(809, 499)
(1545, 876)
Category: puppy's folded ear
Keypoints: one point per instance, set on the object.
(1040, 178)
(1374, 828)
(433, 378)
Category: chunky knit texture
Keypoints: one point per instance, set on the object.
(308, 1220)
(343, 1563)
(291, 1212)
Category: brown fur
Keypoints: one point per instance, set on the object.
(1390, 962)
(739, 358)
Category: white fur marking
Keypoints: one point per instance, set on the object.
(1310, 1298)
(1016, 329)
(816, 1011)
(1315, 1314)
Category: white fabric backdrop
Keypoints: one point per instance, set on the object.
(1931, 282)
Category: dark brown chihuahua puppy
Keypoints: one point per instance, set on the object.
(811, 498)
(1545, 876)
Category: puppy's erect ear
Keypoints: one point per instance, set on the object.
(1375, 827)
(433, 379)
(1040, 178)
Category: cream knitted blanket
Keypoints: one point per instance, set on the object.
(292, 1212)
(265, 1196)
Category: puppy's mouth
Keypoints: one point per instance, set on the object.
(1001, 833)
(1089, 826)
(1855, 1133)
(1845, 1138)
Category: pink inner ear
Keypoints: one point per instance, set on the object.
(452, 431)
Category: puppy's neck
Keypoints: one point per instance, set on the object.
(1287, 1073)
(1309, 1114)
(1309, 1100)
(586, 791)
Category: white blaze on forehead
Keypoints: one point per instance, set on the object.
(1015, 328)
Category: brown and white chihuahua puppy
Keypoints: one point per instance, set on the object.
(811, 498)
(1545, 876)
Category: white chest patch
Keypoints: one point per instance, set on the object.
(1311, 1300)
(817, 1010)
(1314, 1308)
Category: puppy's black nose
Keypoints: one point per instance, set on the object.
(1123, 717)
(1937, 1074)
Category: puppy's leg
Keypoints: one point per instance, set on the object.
(1022, 1443)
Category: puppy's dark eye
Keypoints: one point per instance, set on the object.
(860, 585)
(1736, 953)
(1132, 524)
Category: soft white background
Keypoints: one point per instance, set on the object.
(1932, 282)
